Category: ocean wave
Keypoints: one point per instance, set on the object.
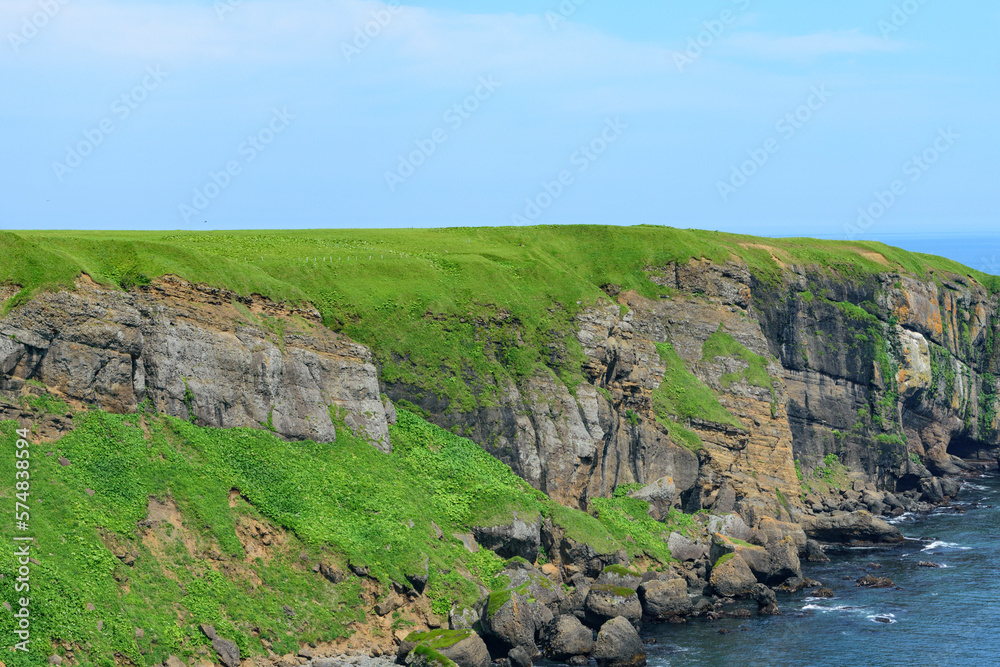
(839, 607)
(975, 487)
(938, 544)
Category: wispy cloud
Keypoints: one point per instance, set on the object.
(808, 47)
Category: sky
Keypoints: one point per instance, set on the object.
(847, 119)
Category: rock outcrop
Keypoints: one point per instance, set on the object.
(195, 352)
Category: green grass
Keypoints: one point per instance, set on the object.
(682, 396)
(341, 502)
(721, 344)
(405, 292)
(439, 639)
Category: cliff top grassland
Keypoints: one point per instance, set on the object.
(416, 296)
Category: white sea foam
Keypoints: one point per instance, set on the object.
(938, 544)
(887, 619)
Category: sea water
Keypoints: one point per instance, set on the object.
(940, 616)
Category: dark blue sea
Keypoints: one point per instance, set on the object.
(946, 616)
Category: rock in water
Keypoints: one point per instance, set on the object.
(876, 582)
(767, 601)
(618, 645)
(565, 637)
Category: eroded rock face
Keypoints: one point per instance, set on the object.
(195, 352)
(619, 645)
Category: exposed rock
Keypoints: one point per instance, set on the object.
(661, 496)
(516, 538)
(565, 637)
(662, 600)
(926, 563)
(869, 581)
(767, 601)
(519, 657)
(618, 645)
(464, 647)
(606, 602)
(815, 553)
(823, 593)
(684, 549)
(856, 527)
(228, 652)
(507, 619)
(462, 618)
(732, 577)
(619, 575)
(191, 352)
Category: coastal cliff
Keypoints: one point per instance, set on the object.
(519, 437)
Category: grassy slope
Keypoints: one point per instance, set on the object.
(383, 287)
(341, 502)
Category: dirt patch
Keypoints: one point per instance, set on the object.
(875, 257)
(8, 291)
(770, 250)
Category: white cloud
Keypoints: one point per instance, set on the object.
(807, 47)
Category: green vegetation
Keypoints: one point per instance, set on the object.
(439, 639)
(620, 591)
(628, 521)
(621, 571)
(683, 396)
(724, 558)
(331, 503)
(437, 306)
(721, 344)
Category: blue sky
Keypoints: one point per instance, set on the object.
(828, 101)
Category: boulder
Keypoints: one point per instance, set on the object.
(518, 657)
(516, 537)
(618, 645)
(605, 602)
(228, 652)
(684, 549)
(661, 496)
(856, 527)
(815, 553)
(767, 601)
(463, 647)
(619, 575)
(565, 637)
(730, 525)
(731, 576)
(662, 600)
(508, 621)
(771, 530)
(462, 618)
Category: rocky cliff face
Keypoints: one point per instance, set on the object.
(194, 352)
(890, 374)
